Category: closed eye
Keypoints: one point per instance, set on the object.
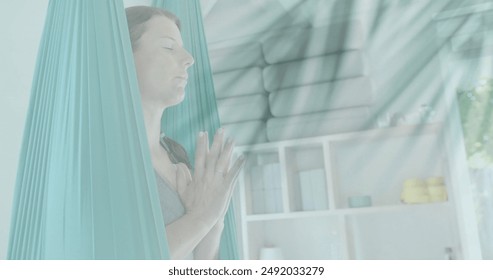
(168, 43)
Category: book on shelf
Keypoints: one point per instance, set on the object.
(313, 189)
(266, 188)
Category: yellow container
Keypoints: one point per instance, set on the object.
(415, 182)
(437, 189)
(435, 181)
(415, 191)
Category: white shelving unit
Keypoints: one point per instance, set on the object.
(294, 196)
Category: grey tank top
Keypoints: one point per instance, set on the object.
(171, 205)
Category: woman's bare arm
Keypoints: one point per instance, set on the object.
(206, 197)
(208, 248)
(185, 234)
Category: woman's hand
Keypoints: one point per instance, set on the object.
(208, 192)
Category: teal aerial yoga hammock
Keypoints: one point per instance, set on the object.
(85, 186)
(199, 110)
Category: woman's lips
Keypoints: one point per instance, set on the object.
(181, 80)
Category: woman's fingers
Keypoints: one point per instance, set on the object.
(201, 149)
(222, 164)
(214, 154)
(230, 181)
(181, 180)
(217, 145)
(235, 170)
(186, 171)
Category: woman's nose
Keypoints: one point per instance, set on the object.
(188, 60)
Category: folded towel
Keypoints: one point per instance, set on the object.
(243, 108)
(318, 124)
(238, 82)
(314, 70)
(321, 97)
(246, 133)
(304, 43)
(237, 57)
(462, 24)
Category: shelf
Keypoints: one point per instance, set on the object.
(315, 238)
(390, 132)
(375, 133)
(263, 182)
(421, 232)
(308, 182)
(348, 211)
(306, 179)
(292, 215)
(391, 208)
(379, 167)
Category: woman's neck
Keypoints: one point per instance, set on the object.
(160, 159)
(152, 119)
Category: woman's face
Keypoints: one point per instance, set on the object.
(161, 63)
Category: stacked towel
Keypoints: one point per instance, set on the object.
(247, 133)
(239, 82)
(291, 45)
(467, 36)
(314, 70)
(236, 57)
(243, 108)
(462, 25)
(318, 124)
(321, 97)
(311, 75)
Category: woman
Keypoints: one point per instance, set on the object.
(194, 202)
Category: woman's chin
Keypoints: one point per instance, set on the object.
(178, 98)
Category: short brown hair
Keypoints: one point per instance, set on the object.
(137, 16)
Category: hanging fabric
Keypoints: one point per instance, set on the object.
(198, 112)
(85, 185)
